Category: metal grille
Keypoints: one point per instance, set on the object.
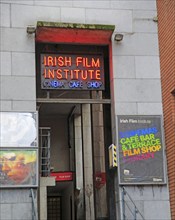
(54, 208)
(44, 133)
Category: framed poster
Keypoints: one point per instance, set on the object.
(18, 168)
(141, 150)
(18, 129)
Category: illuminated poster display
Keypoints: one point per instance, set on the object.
(18, 129)
(18, 168)
(72, 72)
(141, 150)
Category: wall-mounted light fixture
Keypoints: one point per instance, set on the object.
(118, 37)
(155, 19)
(31, 29)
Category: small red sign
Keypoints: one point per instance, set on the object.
(62, 176)
(100, 179)
(72, 72)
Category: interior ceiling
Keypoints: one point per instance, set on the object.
(53, 109)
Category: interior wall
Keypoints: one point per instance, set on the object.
(67, 203)
(59, 143)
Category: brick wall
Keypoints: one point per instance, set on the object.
(166, 31)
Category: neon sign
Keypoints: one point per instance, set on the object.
(69, 71)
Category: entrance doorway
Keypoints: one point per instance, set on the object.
(60, 204)
(57, 158)
(54, 207)
(78, 134)
(79, 124)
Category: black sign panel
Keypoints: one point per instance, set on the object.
(72, 72)
(140, 150)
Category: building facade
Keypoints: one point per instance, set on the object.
(166, 24)
(77, 79)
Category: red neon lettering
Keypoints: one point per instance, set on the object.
(50, 61)
(45, 74)
(68, 61)
(60, 61)
(58, 74)
(91, 73)
(97, 63)
(71, 74)
(55, 61)
(87, 64)
(51, 73)
(84, 74)
(97, 73)
(78, 60)
(76, 73)
(66, 73)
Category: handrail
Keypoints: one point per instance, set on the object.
(34, 210)
(134, 212)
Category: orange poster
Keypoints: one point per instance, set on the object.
(18, 168)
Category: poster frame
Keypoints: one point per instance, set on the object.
(164, 182)
(36, 168)
(37, 135)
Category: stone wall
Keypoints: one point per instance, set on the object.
(136, 74)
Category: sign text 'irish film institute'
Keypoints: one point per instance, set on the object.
(70, 71)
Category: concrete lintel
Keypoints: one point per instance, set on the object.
(75, 25)
(76, 101)
(47, 181)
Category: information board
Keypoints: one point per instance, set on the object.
(72, 72)
(141, 150)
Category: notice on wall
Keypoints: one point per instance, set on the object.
(72, 72)
(141, 150)
(18, 168)
(62, 176)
